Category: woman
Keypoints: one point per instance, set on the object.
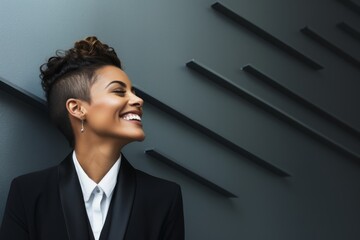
(94, 193)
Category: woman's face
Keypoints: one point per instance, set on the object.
(115, 111)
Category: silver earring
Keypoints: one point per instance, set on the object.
(82, 126)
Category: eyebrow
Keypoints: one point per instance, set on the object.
(118, 82)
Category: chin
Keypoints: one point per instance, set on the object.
(138, 137)
(129, 136)
(140, 140)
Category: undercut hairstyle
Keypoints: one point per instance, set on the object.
(70, 74)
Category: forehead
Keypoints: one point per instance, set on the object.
(108, 74)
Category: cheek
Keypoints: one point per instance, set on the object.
(105, 111)
(110, 102)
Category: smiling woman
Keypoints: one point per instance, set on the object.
(113, 117)
(94, 193)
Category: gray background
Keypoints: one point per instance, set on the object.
(155, 39)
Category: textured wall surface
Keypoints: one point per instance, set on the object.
(268, 85)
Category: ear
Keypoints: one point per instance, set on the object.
(76, 108)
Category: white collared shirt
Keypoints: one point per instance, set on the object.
(97, 197)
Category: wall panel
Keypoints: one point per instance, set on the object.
(155, 39)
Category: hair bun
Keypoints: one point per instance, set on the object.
(91, 46)
(85, 53)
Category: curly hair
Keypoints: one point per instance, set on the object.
(70, 74)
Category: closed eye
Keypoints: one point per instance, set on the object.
(119, 91)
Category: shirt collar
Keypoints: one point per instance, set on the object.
(107, 183)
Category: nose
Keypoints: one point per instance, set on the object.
(136, 101)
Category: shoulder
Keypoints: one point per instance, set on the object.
(155, 185)
(157, 194)
(37, 176)
(147, 183)
(35, 181)
(146, 178)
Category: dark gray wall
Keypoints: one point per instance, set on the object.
(320, 200)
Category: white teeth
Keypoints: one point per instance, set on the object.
(132, 116)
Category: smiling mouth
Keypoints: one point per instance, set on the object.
(131, 117)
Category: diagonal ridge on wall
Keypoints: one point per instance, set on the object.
(259, 75)
(167, 160)
(227, 84)
(266, 36)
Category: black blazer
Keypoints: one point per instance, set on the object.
(48, 205)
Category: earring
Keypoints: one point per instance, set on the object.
(82, 126)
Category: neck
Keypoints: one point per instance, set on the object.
(97, 160)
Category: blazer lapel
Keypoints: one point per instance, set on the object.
(121, 203)
(72, 202)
